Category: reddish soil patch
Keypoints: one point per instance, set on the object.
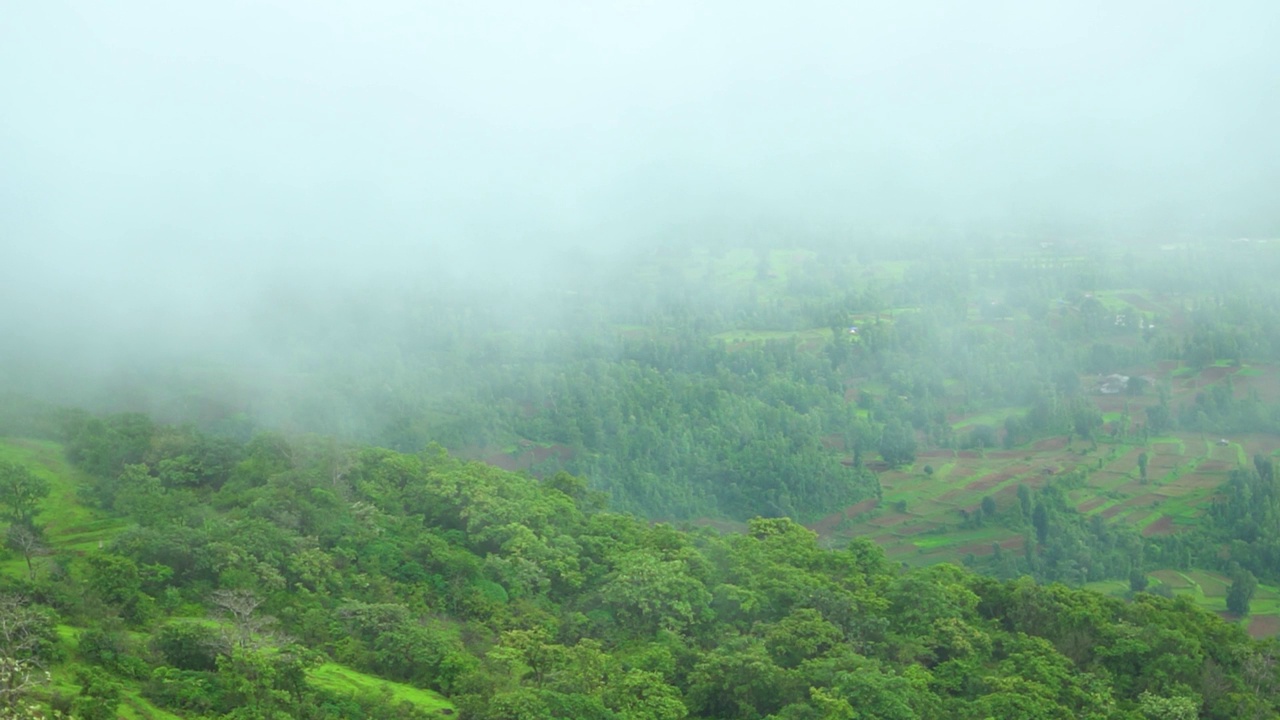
(917, 529)
(1148, 500)
(1017, 542)
(830, 522)
(1142, 501)
(981, 549)
(934, 454)
(862, 507)
(1208, 466)
(885, 521)
(1056, 443)
(529, 457)
(1257, 443)
(1113, 403)
(1090, 504)
(1198, 481)
(1163, 526)
(1264, 626)
(833, 442)
(988, 482)
(1210, 374)
(504, 461)
(1008, 491)
(891, 549)
(1000, 478)
(976, 549)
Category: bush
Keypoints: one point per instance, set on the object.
(112, 650)
(189, 646)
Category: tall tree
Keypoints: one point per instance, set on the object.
(1240, 594)
(21, 492)
(898, 443)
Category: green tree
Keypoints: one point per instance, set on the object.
(1024, 500)
(988, 506)
(1040, 521)
(1240, 594)
(738, 679)
(1138, 580)
(21, 492)
(99, 695)
(642, 695)
(1142, 466)
(898, 443)
(1156, 707)
(190, 645)
(647, 593)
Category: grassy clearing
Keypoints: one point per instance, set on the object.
(135, 707)
(992, 417)
(344, 680)
(76, 527)
(758, 336)
(1113, 588)
(69, 524)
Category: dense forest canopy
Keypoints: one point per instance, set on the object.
(211, 577)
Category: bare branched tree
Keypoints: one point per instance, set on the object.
(251, 628)
(20, 668)
(28, 542)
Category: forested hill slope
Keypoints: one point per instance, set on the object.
(278, 577)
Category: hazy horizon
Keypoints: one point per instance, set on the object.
(165, 167)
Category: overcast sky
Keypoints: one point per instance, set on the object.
(176, 150)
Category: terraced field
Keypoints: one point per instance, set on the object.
(1209, 591)
(1183, 474)
(920, 518)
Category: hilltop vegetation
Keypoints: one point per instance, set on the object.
(1057, 415)
(290, 577)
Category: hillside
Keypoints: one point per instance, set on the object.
(299, 577)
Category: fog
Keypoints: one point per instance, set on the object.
(168, 171)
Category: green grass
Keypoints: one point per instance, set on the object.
(337, 678)
(69, 524)
(1114, 588)
(812, 334)
(991, 417)
(135, 707)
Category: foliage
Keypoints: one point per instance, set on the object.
(518, 598)
(21, 492)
